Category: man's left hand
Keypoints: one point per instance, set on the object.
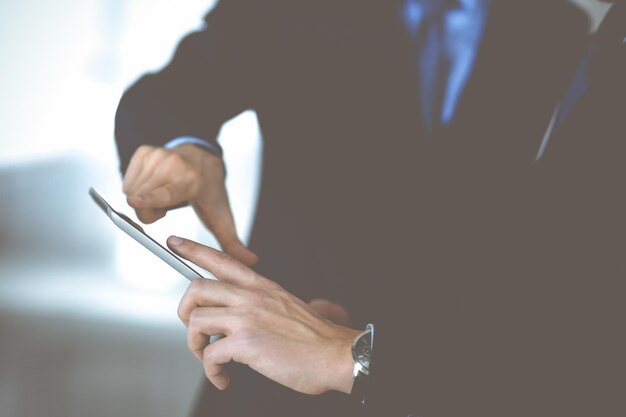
(265, 327)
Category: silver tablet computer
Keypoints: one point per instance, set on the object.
(136, 232)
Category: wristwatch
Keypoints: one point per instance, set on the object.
(362, 349)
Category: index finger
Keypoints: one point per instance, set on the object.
(223, 266)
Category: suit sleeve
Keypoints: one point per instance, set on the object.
(207, 82)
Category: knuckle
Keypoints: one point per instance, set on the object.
(223, 259)
(182, 311)
(269, 284)
(247, 337)
(143, 150)
(173, 160)
(164, 194)
(246, 318)
(161, 153)
(196, 286)
(192, 176)
(187, 300)
(156, 156)
(180, 314)
(258, 297)
(194, 319)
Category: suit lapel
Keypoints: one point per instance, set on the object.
(592, 124)
(517, 80)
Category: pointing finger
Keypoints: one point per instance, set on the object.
(222, 265)
(220, 221)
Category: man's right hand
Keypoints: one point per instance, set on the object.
(159, 178)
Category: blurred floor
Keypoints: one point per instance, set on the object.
(76, 339)
(60, 365)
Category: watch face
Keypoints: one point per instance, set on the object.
(363, 350)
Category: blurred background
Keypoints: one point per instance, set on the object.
(88, 321)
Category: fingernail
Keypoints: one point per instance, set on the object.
(174, 240)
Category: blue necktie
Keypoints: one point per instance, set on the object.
(433, 58)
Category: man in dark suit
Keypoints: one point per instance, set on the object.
(517, 302)
(355, 157)
(320, 78)
(519, 312)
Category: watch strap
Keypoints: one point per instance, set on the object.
(360, 387)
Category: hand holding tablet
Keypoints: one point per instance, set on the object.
(136, 232)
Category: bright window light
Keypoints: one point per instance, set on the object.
(60, 89)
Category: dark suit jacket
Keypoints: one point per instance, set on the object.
(358, 205)
(536, 326)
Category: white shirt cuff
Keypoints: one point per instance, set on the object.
(214, 149)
